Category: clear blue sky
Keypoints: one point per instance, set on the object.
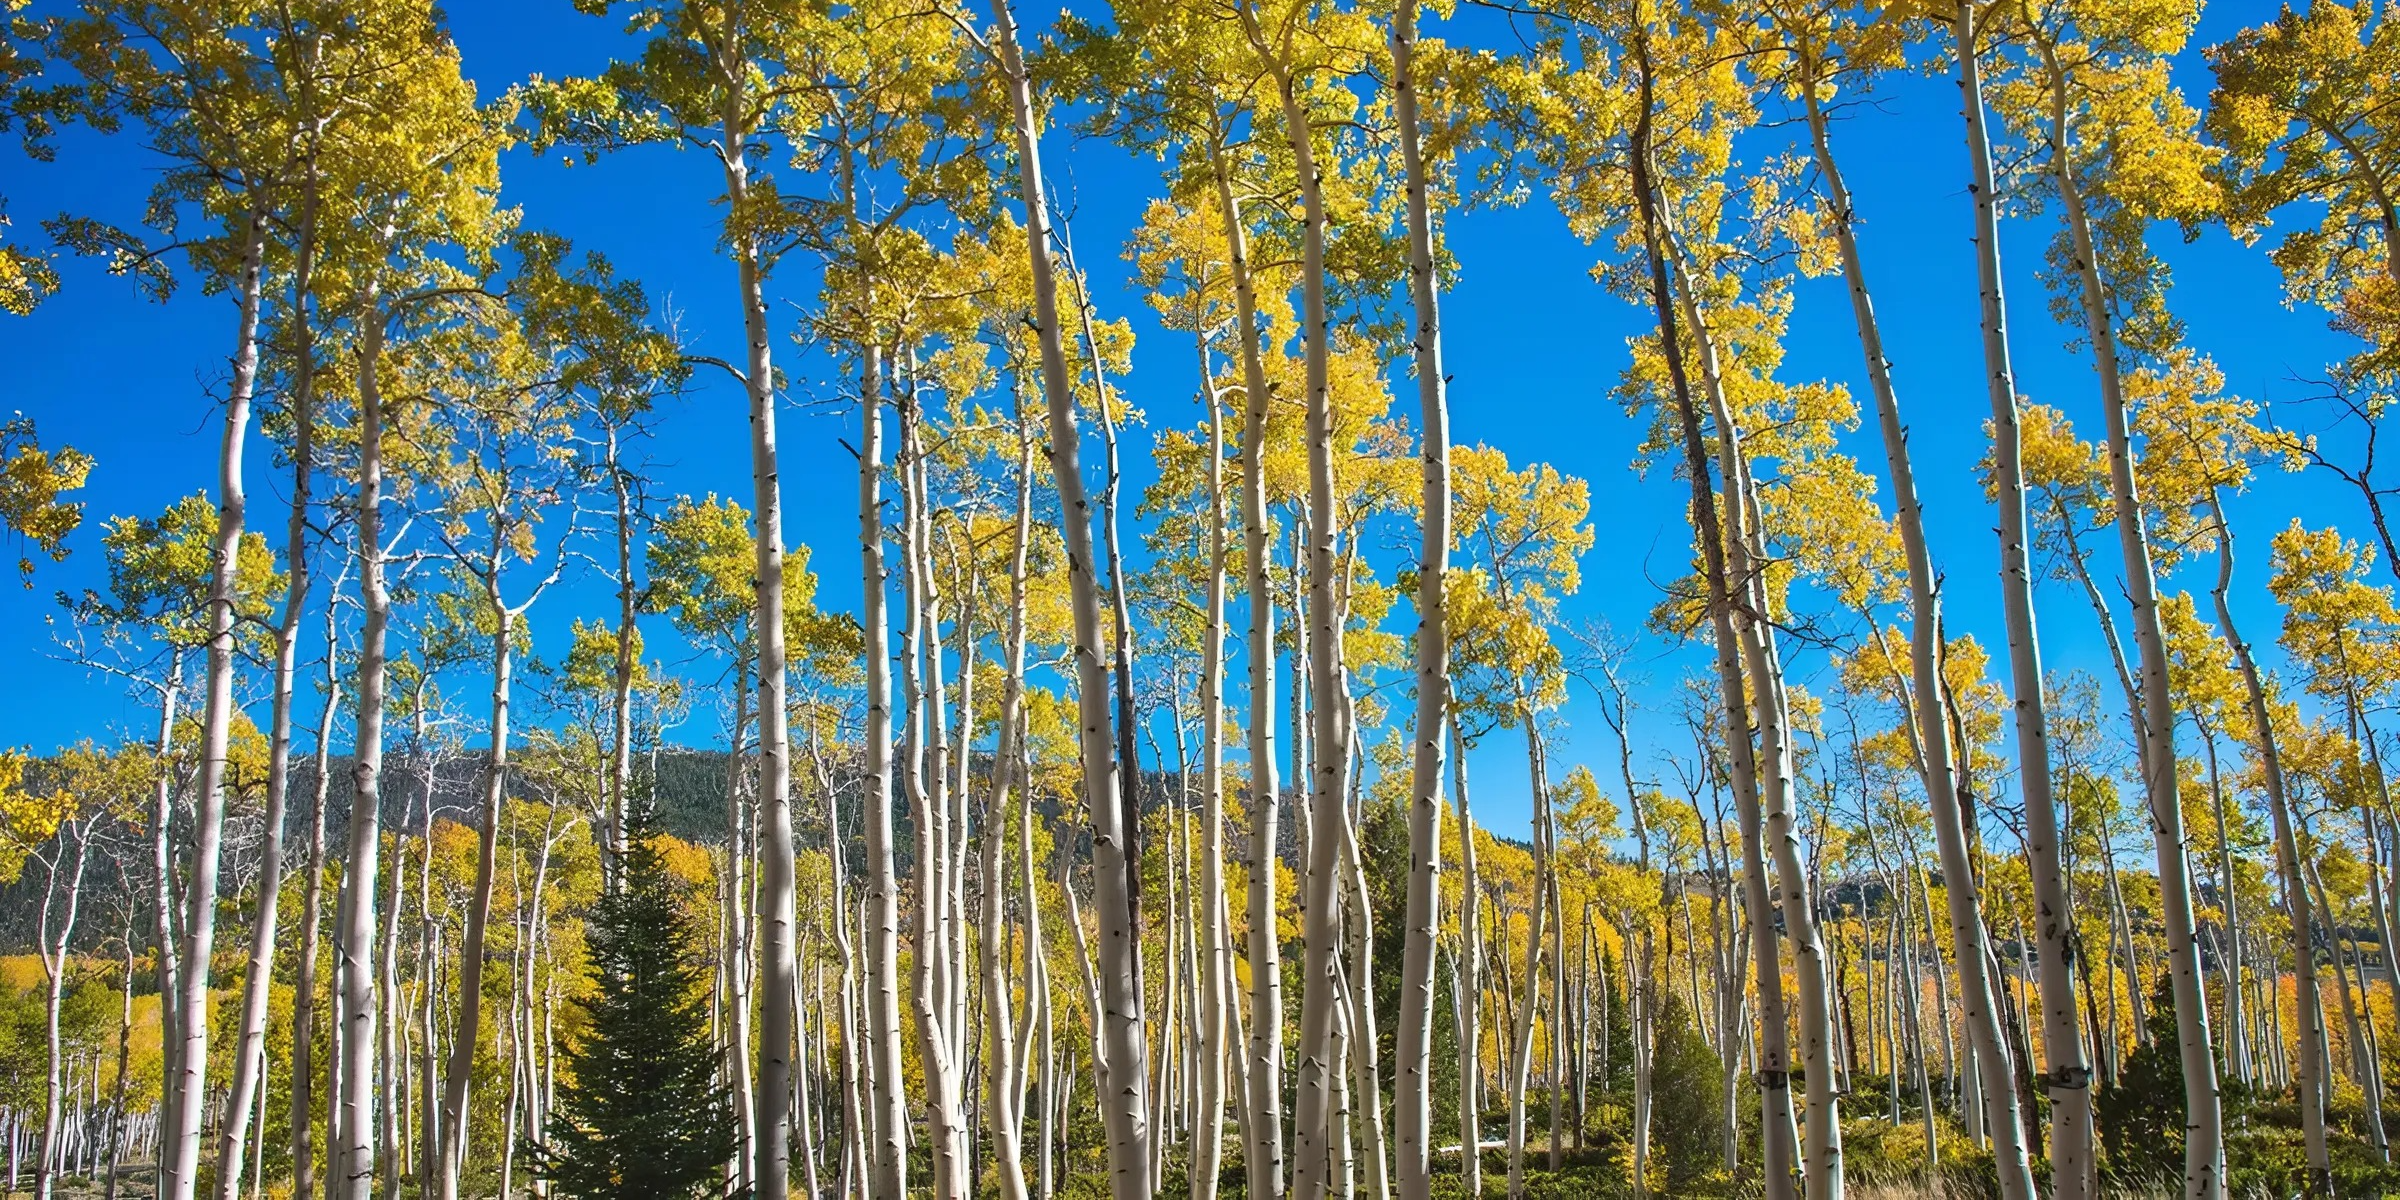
(1533, 344)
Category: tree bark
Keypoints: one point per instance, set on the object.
(2204, 1147)
(770, 1102)
(1413, 1089)
(353, 1124)
(1263, 1152)
(1118, 1018)
(1001, 1069)
(179, 1156)
(1774, 1072)
(249, 1051)
(1216, 963)
(2311, 1057)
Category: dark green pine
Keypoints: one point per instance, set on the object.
(643, 1112)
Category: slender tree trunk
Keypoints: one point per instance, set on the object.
(1263, 1152)
(883, 901)
(1118, 1018)
(249, 1052)
(741, 838)
(1774, 1076)
(1470, 992)
(179, 1156)
(2204, 1147)
(939, 1056)
(620, 698)
(1821, 1155)
(2237, 1033)
(1216, 963)
(1413, 1089)
(1314, 1108)
(1996, 1084)
(770, 1103)
(1007, 1122)
(353, 1129)
(450, 1146)
(2269, 754)
(1529, 1008)
(54, 974)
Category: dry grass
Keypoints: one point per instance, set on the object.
(1951, 1189)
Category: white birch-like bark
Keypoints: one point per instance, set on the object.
(2310, 1059)
(1470, 991)
(179, 1155)
(50, 1157)
(1118, 1016)
(1313, 1159)
(249, 1050)
(1001, 1068)
(1216, 961)
(1262, 1154)
(312, 921)
(890, 1165)
(1992, 1056)
(770, 1101)
(2204, 1146)
(1774, 1069)
(352, 1124)
(1413, 1086)
(1745, 551)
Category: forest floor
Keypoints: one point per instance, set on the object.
(135, 1181)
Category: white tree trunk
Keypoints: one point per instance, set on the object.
(1413, 1087)
(770, 1102)
(1774, 1067)
(1262, 1154)
(179, 1161)
(2310, 1060)
(52, 1155)
(1118, 1018)
(352, 1124)
(2204, 1147)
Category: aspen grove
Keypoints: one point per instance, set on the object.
(1314, 598)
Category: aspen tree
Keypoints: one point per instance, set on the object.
(159, 583)
(1294, 70)
(1930, 734)
(1745, 543)
(1179, 259)
(300, 329)
(713, 82)
(1527, 529)
(208, 103)
(2115, 95)
(1414, 1095)
(61, 816)
(1118, 1017)
(1007, 1122)
(1173, 75)
(1774, 1074)
(2194, 443)
(426, 178)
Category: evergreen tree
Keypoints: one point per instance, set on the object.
(643, 1112)
(1690, 1088)
(2141, 1123)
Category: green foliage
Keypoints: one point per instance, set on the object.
(2141, 1117)
(642, 1114)
(32, 479)
(1687, 1088)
